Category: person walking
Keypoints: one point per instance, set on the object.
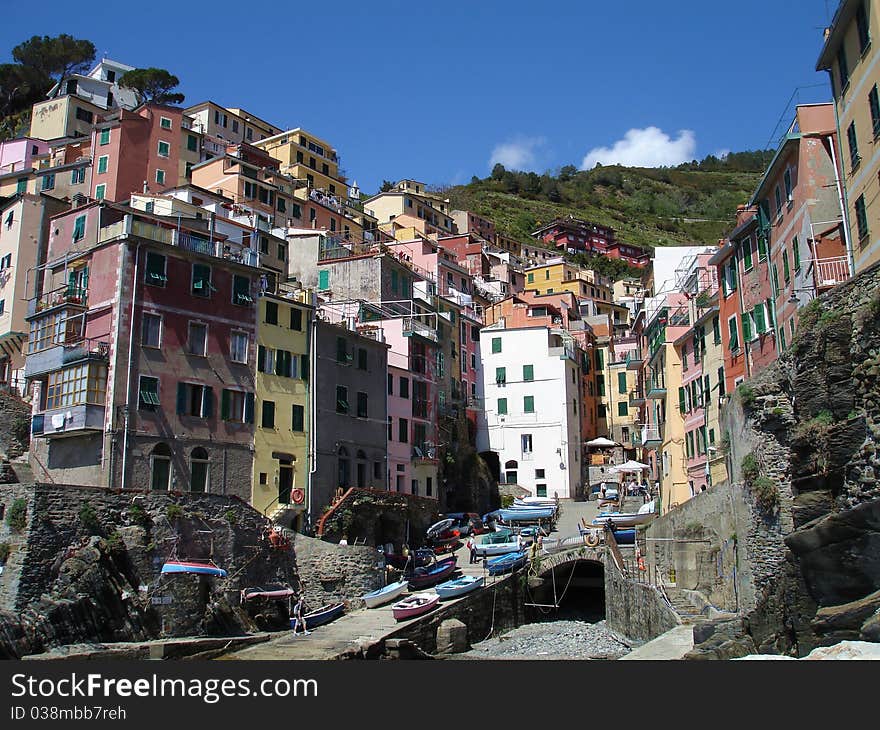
(472, 547)
(298, 619)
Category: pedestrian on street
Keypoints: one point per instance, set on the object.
(472, 546)
(298, 620)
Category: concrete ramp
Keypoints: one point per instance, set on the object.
(674, 644)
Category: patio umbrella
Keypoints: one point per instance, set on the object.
(601, 441)
(630, 466)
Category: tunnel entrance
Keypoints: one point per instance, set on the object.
(579, 589)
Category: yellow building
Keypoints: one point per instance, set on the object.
(849, 57)
(409, 208)
(308, 158)
(671, 457)
(63, 116)
(622, 423)
(283, 424)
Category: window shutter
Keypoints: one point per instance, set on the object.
(224, 405)
(707, 390)
(681, 406)
(771, 315)
(279, 362)
(304, 367)
(208, 402)
(181, 397)
(747, 327)
(249, 408)
(261, 359)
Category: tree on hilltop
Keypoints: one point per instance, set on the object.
(57, 57)
(153, 85)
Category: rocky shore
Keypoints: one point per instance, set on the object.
(553, 640)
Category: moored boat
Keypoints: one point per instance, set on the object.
(525, 515)
(270, 592)
(414, 605)
(198, 567)
(497, 543)
(623, 519)
(431, 575)
(386, 594)
(323, 615)
(506, 563)
(459, 586)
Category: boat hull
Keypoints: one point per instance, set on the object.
(433, 575)
(386, 594)
(507, 563)
(624, 519)
(194, 568)
(459, 587)
(323, 615)
(414, 606)
(498, 548)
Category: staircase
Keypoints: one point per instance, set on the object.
(693, 607)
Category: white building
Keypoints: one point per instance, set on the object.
(100, 86)
(533, 407)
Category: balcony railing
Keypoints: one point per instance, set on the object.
(830, 272)
(656, 391)
(412, 326)
(636, 397)
(68, 420)
(633, 360)
(651, 437)
(74, 296)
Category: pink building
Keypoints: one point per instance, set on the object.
(18, 155)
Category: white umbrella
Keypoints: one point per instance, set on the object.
(601, 441)
(630, 466)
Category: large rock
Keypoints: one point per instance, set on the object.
(870, 630)
(847, 617)
(839, 554)
(452, 637)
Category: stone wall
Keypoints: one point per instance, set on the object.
(633, 609)
(88, 567)
(15, 425)
(698, 544)
(331, 572)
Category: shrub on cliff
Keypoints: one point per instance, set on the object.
(746, 395)
(88, 518)
(5, 549)
(763, 488)
(16, 517)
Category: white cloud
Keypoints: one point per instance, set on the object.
(648, 147)
(517, 154)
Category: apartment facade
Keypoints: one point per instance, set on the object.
(850, 59)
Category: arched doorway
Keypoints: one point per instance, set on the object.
(199, 470)
(160, 467)
(510, 471)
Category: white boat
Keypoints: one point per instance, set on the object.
(623, 519)
(497, 544)
(459, 586)
(386, 594)
(535, 501)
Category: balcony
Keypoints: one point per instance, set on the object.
(830, 272)
(656, 391)
(636, 397)
(188, 240)
(651, 437)
(68, 421)
(633, 360)
(412, 326)
(72, 297)
(566, 351)
(61, 353)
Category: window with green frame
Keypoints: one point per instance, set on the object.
(600, 359)
(774, 275)
(100, 191)
(201, 280)
(528, 404)
(394, 281)
(105, 137)
(164, 149)
(796, 253)
(531, 278)
(771, 315)
(323, 279)
(621, 383)
(874, 105)
(502, 406)
(103, 162)
(747, 253)
(734, 333)
(747, 326)
(192, 143)
(786, 271)
(760, 321)
(852, 140)
(496, 344)
(861, 218)
(528, 373)
(782, 338)
(155, 273)
(622, 409)
(716, 330)
(500, 376)
(21, 185)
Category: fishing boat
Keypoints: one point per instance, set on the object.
(623, 519)
(459, 586)
(386, 594)
(506, 563)
(270, 592)
(323, 615)
(431, 575)
(199, 567)
(497, 543)
(542, 501)
(519, 504)
(439, 527)
(414, 605)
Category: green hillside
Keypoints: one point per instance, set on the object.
(694, 203)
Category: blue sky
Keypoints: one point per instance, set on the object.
(439, 91)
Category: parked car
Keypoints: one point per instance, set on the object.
(466, 523)
(610, 489)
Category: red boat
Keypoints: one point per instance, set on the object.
(446, 547)
(414, 605)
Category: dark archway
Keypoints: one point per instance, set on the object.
(576, 587)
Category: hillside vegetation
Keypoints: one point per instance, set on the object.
(694, 203)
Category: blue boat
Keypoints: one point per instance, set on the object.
(323, 615)
(525, 515)
(506, 563)
(198, 567)
(433, 574)
(459, 586)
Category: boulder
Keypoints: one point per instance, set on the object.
(870, 630)
(847, 617)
